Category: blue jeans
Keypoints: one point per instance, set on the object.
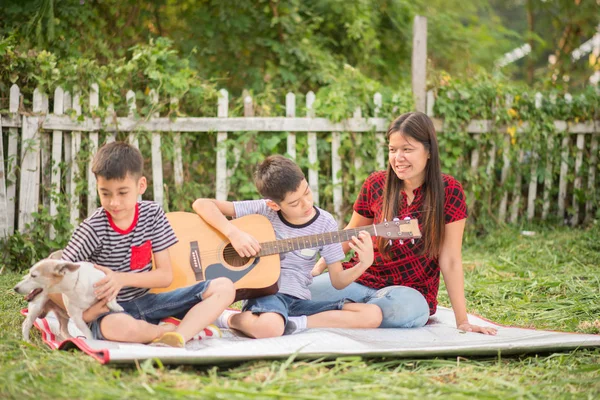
(402, 306)
(153, 307)
(290, 306)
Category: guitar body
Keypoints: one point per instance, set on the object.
(203, 253)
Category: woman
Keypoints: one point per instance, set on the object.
(404, 278)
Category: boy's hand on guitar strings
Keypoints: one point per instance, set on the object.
(245, 244)
(363, 246)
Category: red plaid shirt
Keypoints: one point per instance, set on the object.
(406, 267)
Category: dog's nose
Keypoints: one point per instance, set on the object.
(16, 289)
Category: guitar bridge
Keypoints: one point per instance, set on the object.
(195, 261)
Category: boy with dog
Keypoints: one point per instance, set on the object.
(289, 206)
(121, 238)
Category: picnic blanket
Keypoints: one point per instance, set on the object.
(439, 338)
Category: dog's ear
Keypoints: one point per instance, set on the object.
(57, 255)
(63, 268)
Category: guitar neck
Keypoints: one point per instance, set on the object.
(304, 242)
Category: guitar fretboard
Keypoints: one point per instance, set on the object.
(305, 242)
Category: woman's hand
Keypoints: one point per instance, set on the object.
(467, 327)
(363, 246)
(109, 287)
(319, 267)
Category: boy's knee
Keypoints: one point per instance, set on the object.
(372, 316)
(118, 326)
(268, 325)
(222, 287)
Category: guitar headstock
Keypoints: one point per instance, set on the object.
(404, 229)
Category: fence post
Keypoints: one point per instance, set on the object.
(157, 166)
(532, 192)
(378, 100)
(313, 169)
(177, 157)
(3, 202)
(505, 169)
(92, 194)
(130, 97)
(75, 149)
(30, 164)
(290, 112)
(57, 144)
(589, 204)
(358, 161)
(12, 161)
(222, 110)
(419, 62)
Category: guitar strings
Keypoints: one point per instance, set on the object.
(230, 251)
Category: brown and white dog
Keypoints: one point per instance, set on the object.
(75, 281)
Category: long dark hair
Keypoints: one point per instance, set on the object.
(418, 126)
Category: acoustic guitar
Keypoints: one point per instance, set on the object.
(204, 253)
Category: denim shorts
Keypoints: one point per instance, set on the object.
(290, 306)
(402, 306)
(153, 307)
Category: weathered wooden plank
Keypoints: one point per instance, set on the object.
(3, 203)
(268, 124)
(178, 158)
(592, 190)
(474, 166)
(547, 178)
(504, 175)
(133, 137)
(532, 190)
(419, 62)
(74, 172)
(46, 159)
(516, 195)
(67, 147)
(577, 183)
(11, 121)
(111, 116)
(211, 124)
(313, 169)
(57, 144)
(92, 192)
(562, 182)
(483, 126)
(290, 112)
(336, 176)
(237, 151)
(157, 166)
(30, 165)
(358, 161)
(380, 137)
(12, 160)
(222, 111)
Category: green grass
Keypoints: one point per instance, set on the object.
(548, 281)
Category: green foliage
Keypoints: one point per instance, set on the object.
(514, 114)
(21, 250)
(547, 281)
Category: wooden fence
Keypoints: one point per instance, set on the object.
(41, 148)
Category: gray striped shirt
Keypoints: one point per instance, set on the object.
(99, 241)
(296, 265)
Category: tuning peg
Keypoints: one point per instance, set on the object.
(390, 242)
(401, 241)
(396, 219)
(412, 241)
(407, 218)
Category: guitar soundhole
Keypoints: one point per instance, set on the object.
(232, 258)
